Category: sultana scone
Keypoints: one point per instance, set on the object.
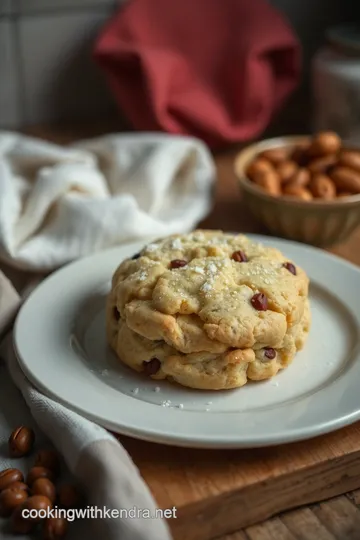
(208, 310)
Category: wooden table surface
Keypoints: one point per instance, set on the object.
(337, 518)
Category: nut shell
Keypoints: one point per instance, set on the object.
(44, 486)
(37, 502)
(350, 159)
(9, 476)
(38, 472)
(286, 170)
(276, 155)
(10, 498)
(346, 179)
(49, 459)
(324, 143)
(323, 187)
(297, 191)
(69, 496)
(258, 166)
(322, 164)
(19, 524)
(55, 528)
(269, 182)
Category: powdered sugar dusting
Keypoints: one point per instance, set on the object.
(206, 287)
(143, 275)
(151, 247)
(176, 244)
(166, 403)
(212, 268)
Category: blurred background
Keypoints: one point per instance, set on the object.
(47, 74)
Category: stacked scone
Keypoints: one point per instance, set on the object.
(208, 310)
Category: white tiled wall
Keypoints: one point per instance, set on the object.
(46, 71)
(60, 80)
(46, 68)
(9, 76)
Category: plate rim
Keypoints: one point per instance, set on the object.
(291, 435)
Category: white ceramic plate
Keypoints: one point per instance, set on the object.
(60, 341)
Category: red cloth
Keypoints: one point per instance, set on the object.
(215, 69)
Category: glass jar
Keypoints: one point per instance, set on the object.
(336, 83)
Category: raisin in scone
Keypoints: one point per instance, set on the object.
(208, 310)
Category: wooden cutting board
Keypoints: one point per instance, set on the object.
(220, 491)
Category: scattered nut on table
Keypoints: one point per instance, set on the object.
(48, 459)
(8, 476)
(44, 486)
(318, 169)
(21, 441)
(39, 492)
(69, 496)
(38, 472)
(54, 528)
(10, 498)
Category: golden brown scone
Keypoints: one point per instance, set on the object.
(208, 309)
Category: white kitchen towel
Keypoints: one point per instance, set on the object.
(61, 203)
(99, 462)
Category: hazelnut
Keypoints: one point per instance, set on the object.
(37, 503)
(346, 179)
(322, 186)
(322, 164)
(10, 498)
(301, 178)
(38, 472)
(21, 441)
(44, 486)
(20, 485)
(300, 154)
(286, 170)
(9, 476)
(349, 158)
(49, 459)
(326, 142)
(276, 155)
(297, 191)
(55, 528)
(69, 496)
(259, 166)
(269, 182)
(21, 525)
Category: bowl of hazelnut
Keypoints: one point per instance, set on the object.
(306, 188)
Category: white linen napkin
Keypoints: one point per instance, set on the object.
(58, 204)
(101, 465)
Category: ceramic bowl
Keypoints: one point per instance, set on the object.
(317, 222)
